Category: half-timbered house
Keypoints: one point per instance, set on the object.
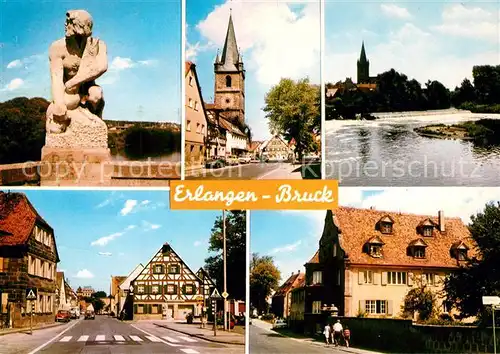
(167, 288)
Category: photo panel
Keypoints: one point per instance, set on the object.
(125, 273)
(412, 93)
(393, 270)
(252, 90)
(91, 93)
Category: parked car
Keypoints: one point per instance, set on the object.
(245, 159)
(254, 161)
(215, 163)
(89, 315)
(63, 316)
(232, 161)
(279, 323)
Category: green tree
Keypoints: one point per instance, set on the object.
(420, 299)
(264, 278)
(236, 254)
(465, 93)
(438, 96)
(480, 276)
(99, 294)
(487, 83)
(293, 110)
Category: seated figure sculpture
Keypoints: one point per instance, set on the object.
(76, 61)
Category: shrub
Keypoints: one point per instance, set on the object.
(267, 317)
(419, 299)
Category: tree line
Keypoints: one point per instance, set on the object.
(395, 92)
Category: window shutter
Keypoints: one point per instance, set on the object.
(361, 306)
(361, 277)
(384, 278)
(135, 308)
(389, 307)
(376, 276)
(410, 279)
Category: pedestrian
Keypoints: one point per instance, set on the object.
(337, 332)
(327, 334)
(347, 336)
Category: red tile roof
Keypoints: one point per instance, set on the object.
(294, 281)
(17, 219)
(189, 64)
(357, 226)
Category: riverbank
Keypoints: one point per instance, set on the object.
(484, 131)
(410, 114)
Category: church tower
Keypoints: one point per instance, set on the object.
(229, 91)
(363, 67)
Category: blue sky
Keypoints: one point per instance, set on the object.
(143, 39)
(104, 233)
(277, 39)
(292, 237)
(425, 40)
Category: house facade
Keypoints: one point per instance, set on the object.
(368, 260)
(125, 295)
(86, 291)
(66, 298)
(28, 259)
(116, 293)
(276, 149)
(196, 122)
(167, 288)
(282, 298)
(207, 286)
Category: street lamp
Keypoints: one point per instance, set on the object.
(494, 302)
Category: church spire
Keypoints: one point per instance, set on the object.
(230, 55)
(362, 57)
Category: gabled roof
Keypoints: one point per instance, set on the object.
(418, 242)
(266, 143)
(386, 218)
(376, 240)
(203, 274)
(291, 283)
(125, 285)
(230, 127)
(357, 226)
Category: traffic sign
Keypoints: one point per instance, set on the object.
(225, 294)
(31, 293)
(215, 295)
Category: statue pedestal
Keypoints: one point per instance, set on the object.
(75, 166)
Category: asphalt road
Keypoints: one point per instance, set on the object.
(247, 171)
(106, 335)
(264, 341)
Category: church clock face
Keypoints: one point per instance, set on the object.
(228, 101)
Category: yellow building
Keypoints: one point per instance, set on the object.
(368, 260)
(195, 124)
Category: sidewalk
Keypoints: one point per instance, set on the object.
(207, 333)
(5, 331)
(316, 342)
(284, 171)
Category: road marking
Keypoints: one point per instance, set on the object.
(100, 338)
(189, 351)
(154, 339)
(83, 338)
(53, 339)
(187, 339)
(268, 173)
(66, 339)
(149, 334)
(171, 339)
(119, 338)
(135, 338)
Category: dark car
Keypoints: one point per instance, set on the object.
(216, 163)
(63, 316)
(89, 315)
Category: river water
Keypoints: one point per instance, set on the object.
(387, 152)
(174, 157)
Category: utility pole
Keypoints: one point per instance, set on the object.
(493, 307)
(225, 266)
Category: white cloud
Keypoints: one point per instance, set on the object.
(130, 227)
(119, 63)
(148, 62)
(15, 64)
(84, 274)
(395, 11)
(198, 243)
(469, 22)
(287, 248)
(103, 241)
(107, 254)
(147, 226)
(14, 84)
(275, 40)
(145, 202)
(128, 207)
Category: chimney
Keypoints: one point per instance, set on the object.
(441, 221)
(299, 271)
(292, 273)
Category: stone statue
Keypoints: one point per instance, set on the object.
(74, 118)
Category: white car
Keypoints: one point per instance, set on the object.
(244, 159)
(279, 324)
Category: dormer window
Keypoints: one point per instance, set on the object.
(417, 248)
(419, 252)
(374, 247)
(385, 225)
(427, 231)
(462, 254)
(459, 251)
(376, 250)
(426, 228)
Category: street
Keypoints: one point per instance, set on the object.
(109, 335)
(270, 170)
(263, 341)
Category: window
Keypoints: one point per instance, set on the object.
(430, 278)
(368, 275)
(174, 269)
(427, 231)
(140, 308)
(154, 309)
(203, 129)
(140, 289)
(228, 81)
(198, 127)
(188, 289)
(49, 272)
(158, 269)
(188, 126)
(196, 105)
(317, 277)
(190, 103)
(375, 306)
(386, 227)
(190, 81)
(462, 254)
(419, 252)
(316, 307)
(155, 289)
(375, 250)
(396, 278)
(41, 269)
(170, 289)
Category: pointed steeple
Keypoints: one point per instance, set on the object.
(362, 57)
(217, 59)
(230, 54)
